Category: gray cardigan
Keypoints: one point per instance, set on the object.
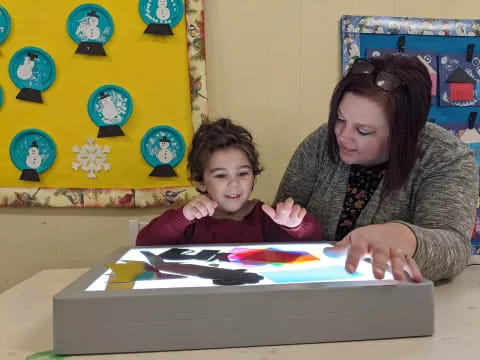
(437, 202)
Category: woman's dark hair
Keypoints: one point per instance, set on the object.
(406, 107)
(219, 134)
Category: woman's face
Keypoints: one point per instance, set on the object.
(362, 131)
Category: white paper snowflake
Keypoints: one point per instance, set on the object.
(91, 158)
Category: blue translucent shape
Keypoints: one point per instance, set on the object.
(327, 273)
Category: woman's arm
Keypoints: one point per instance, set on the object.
(439, 235)
(446, 203)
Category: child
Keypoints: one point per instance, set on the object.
(223, 163)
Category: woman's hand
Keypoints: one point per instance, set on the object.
(199, 207)
(286, 213)
(389, 245)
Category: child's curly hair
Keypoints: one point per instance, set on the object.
(220, 134)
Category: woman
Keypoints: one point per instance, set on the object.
(382, 181)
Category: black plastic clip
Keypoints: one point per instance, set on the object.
(470, 50)
(401, 44)
(471, 119)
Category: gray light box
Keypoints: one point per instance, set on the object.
(235, 295)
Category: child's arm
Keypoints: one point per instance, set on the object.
(292, 223)
(308, 230)
(171, 227)
(166, 229)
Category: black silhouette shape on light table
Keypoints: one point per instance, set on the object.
(219, 276)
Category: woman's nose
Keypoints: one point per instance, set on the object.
(345, 134)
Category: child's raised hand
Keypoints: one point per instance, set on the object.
(199, 207)
(286, 213)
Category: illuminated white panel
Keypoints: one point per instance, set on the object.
(325, 269)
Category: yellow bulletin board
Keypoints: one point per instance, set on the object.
(164, 75)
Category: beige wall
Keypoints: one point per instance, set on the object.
(271, 66)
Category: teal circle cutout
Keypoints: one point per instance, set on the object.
(5, 24)
(162, 145)
(90, 23)
(110, 105)
(31, 67)
(23, 154)
(161, 11)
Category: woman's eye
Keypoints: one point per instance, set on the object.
(363, 132)
(340, 120)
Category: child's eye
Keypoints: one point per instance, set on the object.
(244, 173)
(219, 176)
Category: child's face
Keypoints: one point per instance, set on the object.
(228, 178)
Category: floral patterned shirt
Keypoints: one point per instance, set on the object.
(362, 183)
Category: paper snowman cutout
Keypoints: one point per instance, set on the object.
(34, 160)
(90, 28)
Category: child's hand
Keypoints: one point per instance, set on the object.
(287, 213)
(199, 207)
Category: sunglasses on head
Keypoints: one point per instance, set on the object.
(384, 80)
